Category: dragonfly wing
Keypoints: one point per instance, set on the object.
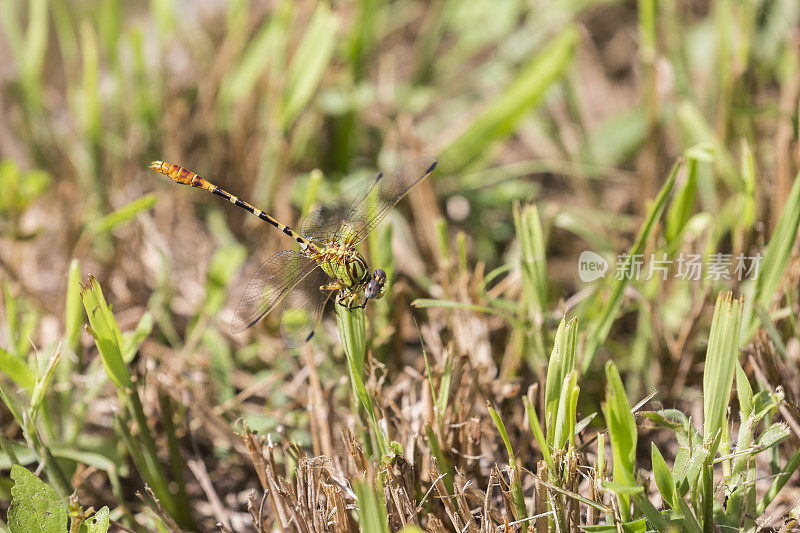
(273, 279)
(302, 308)
(384, 193)
(351, 217)
(322, 224)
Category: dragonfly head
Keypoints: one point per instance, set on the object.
(376, 286)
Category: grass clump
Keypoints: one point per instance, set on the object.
(492, 388)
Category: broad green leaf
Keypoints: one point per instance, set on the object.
(17, 369)
(35, 506)
(107, 336)
(694, 465)
(663, 477)
(773, 435)
(99, 522)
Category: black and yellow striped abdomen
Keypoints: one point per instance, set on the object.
(184, 176)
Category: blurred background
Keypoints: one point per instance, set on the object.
(579, 107)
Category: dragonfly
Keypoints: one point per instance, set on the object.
(328, 261)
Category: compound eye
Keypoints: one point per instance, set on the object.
(380, 274)
(373, 289)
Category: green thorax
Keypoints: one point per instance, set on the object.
(344, 263)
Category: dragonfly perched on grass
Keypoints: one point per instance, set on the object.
(328, 260)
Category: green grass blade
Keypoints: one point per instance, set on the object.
(516, 484)
(561, 364)
(776, 257)
(74, 310)
(499, 119)
(35, 49)
(564, 423)
(721, 359)
(265, 48)
(700, 132)
(536, 429)
(599, 329)
(122, 215)
(309, 63)
(533, 260)
(622, 433)
(16, 369)
(778, 483)
(663, 477)
(353, 334)
(106, 333)
(680, 209)
(372, 510)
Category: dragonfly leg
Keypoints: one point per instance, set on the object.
(347, 298)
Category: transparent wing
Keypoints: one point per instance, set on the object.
(352, 217)
(302, 308)
(379, 199)
(322, 224)
(273, 279)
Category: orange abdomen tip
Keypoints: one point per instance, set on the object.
(160, 166)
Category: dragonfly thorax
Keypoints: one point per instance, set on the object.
(345, 264)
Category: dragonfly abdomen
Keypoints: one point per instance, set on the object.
(185, 176)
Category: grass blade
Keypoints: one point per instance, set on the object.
(516, 484)
(599, 329)
(622, 433)
(721, 358)
(353, 334)
(536, 429)
(502, 115)
(309, 63)
(776, 257)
